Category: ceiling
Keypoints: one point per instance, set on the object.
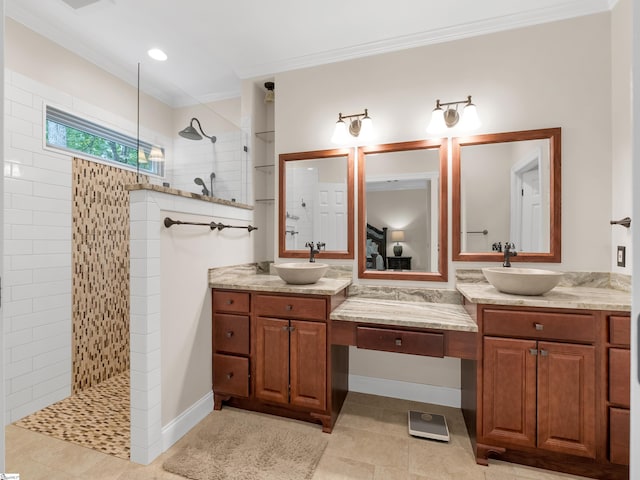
(214, 44)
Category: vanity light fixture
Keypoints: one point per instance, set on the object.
(360, 126)
(192, 134)
(441, 119)
(270, 96)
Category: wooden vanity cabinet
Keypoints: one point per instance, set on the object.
(619, 356)
(539, 393)
(292, 368)
(231, 348)
(291, 350)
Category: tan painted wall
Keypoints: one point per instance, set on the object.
(36, 57)
(551, 75)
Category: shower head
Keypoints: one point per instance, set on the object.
(192, 134)
(199, 181)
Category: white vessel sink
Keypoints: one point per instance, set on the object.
(522, 281)
(301, 273)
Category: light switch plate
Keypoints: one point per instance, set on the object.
(621, 260)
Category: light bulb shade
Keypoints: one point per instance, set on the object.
(470, 120)
(437, 124)
(397, 235)
(142, 158)
(340, 134)
(156, 154)
(366, 129)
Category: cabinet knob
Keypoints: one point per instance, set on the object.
(229, 375)
(544, 353)
(288, 307)
(533, 351)
(398, 342)
(539, 326)
(229, 302)
(229, 333)
(285, 328)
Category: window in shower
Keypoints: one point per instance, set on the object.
(79, 136)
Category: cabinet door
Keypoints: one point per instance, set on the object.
(308, 364)
(272, 359)
(509, 391)
(566, 398)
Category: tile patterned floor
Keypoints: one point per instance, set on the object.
(97, 418)
(369, 442)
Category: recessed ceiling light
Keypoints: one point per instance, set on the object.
(157, 54)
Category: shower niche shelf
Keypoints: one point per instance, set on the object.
(265, 168)
(267, 136)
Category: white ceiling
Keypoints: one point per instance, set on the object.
(214, 44)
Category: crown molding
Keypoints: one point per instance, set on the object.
(575, 8)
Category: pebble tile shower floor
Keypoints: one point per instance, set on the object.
(97, 418)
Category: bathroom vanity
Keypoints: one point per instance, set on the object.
(550, 386)
(271, 347)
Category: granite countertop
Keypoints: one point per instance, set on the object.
(242, 279)
(441, 316)
(183, 193)
(578, 297)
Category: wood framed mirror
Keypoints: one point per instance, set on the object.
(402, 198)
(507, 188)
(316, 203)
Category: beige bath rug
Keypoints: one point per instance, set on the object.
(237, 445)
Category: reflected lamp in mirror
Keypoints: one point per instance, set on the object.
(442, 120)
(360, 126)
(397, 236)
(403, 184)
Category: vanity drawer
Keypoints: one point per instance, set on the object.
(290, 307)
(619, 423)
(231, 333)
(234, 302)
(550, 326)
(619, 375)
(619, 330)
(231, 375)
(401, 341)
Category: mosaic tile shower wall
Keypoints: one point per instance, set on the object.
(100, 251)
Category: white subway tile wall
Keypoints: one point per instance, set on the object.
(37, 257)
(37, 263)
(226, 158)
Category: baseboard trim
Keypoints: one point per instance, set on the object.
(179, 426)
(450, 397)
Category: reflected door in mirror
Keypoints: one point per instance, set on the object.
(506, 188)
(401, 203)
(316, 203)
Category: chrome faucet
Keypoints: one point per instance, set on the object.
(509, 251)
(313, 249)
